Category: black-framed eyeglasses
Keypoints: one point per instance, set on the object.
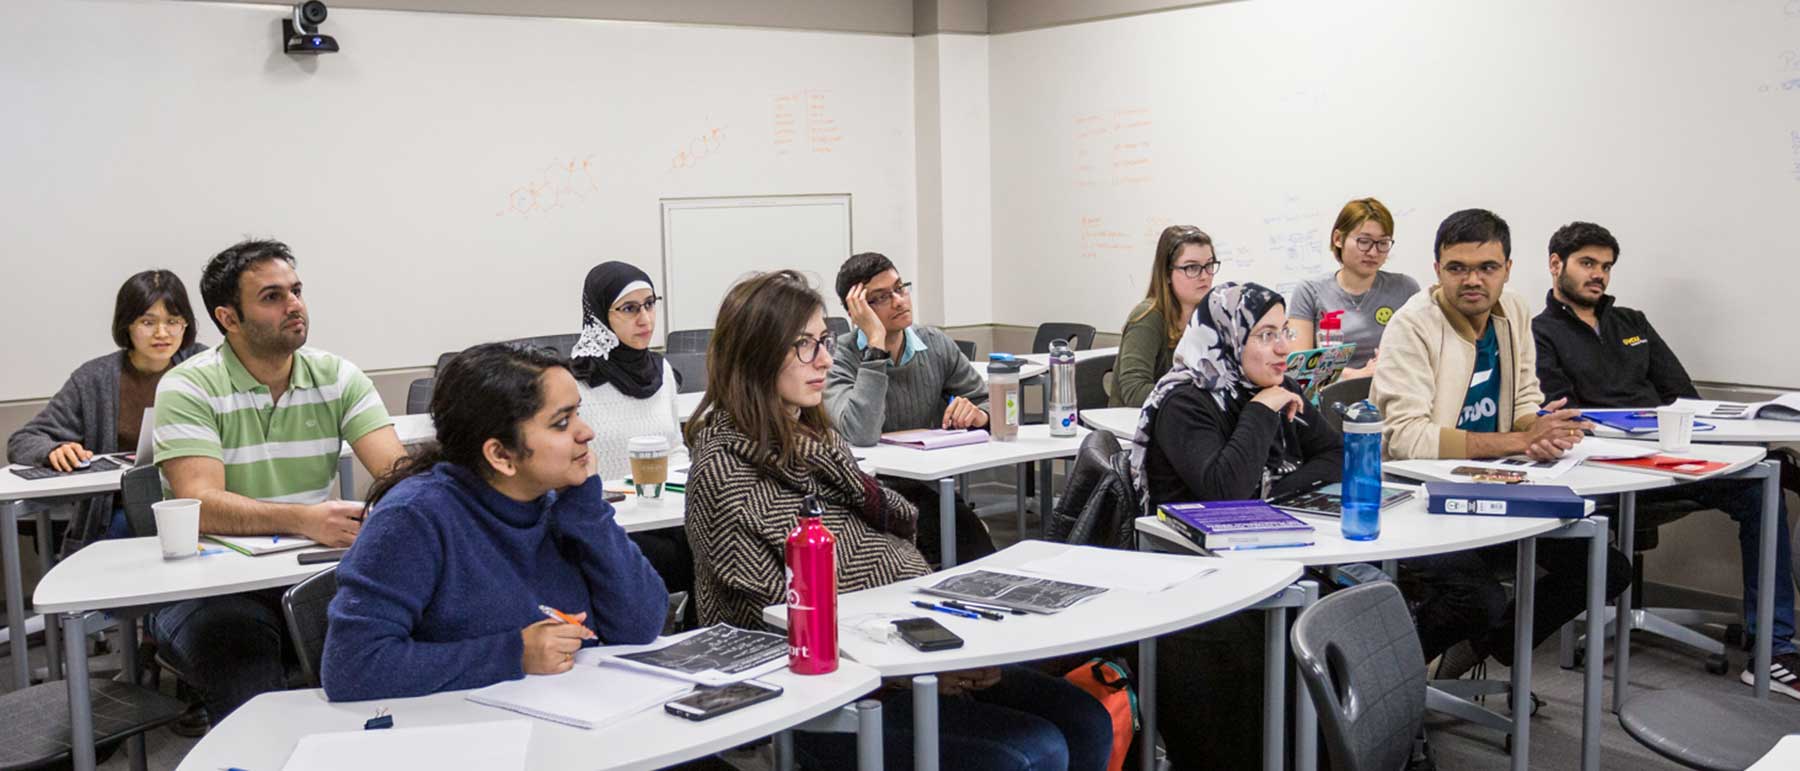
(903, 289)
(1194, 269)
(1486, 269)
(632, 309)
(806, 349)
(1382, 245)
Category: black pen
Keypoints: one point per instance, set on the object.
(987, 614)
(982, 606)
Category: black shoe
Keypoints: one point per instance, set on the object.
(192, 724)
(1784, 674)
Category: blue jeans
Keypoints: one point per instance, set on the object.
(1742, 499)
(1029, 721)
(230, 648)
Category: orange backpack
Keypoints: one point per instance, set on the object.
(1110, 682)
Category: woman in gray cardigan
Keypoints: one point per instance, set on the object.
(100, 408)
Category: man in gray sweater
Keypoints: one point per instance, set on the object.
(891, 375)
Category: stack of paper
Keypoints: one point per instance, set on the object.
(497, 746)
(934, 438)
(258, 545)
(1119, 569)
(717, 655)
(584, 697)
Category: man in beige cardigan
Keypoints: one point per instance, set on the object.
(1458, 379)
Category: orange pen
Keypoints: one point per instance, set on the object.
(557, 615)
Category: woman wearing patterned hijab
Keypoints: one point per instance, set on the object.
(1236, 428)
(1224, 424)
(627, 389)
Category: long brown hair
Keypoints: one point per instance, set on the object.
(759, 320)
(1161, 293)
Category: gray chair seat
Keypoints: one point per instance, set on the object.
(34, 722)
(1708, 731)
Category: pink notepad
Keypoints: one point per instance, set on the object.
(934, 438)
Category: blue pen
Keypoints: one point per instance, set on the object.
(942, 609)
(275, 539)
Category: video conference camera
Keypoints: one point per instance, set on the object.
(300, 34)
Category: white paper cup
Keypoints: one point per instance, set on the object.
(178, 527)
(1674, 429)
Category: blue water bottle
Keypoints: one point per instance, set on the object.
(1362, 470)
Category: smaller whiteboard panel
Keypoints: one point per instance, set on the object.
(710, 243)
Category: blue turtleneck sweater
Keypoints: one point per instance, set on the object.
(447, 572)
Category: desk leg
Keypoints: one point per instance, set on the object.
(784, 751)
(925, 723)
(868, 735)
(1274, 689)
(81, 707)
(1045, 467)
(947, 522)
(17, 638)
(128, 657)
(1591, 672)
(1521, 670)
(1622, 606)
(1147, 703)
(1019, 496)
(1765, 576)
(47, 560)
(1306, 719)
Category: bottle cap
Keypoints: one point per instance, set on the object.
(810, 507)
(1002, 364)
(1331, 320)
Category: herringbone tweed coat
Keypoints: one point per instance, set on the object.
(741, 507)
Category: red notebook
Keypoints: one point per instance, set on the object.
(1666, 464)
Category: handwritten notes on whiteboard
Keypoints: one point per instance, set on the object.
(1112, 149)
(804, 122)
(559, 184)
(698, 148)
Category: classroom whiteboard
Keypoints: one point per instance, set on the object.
(710, 243)
(446, 179)
(1675, 123)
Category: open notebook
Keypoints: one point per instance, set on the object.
(258, 545)
(583, 697)
(934, 438)
(499, 745)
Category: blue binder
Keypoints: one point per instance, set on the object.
(1632, 421)
(1497, 500)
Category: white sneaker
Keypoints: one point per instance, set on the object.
(1784, 674)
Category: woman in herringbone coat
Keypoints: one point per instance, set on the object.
(761, 443)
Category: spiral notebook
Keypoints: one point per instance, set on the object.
(584, 697)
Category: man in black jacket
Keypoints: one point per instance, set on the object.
(1598, 354)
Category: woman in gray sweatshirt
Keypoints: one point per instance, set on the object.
(101, 407)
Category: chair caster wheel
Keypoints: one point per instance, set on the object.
(1717, 664)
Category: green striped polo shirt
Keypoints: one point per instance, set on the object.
(210, 406)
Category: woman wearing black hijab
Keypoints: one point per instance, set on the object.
(629, 390)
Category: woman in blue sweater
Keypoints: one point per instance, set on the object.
(465, 540)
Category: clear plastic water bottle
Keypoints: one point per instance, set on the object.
(1003, 397)
(1059, 398)
(1362, 470)
(812, 594)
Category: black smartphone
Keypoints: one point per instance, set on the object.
(612, 497)
(712, 701)
(927, 635)
(324, 555)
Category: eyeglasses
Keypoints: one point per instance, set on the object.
(1382, 245)
(1194, 269)
(148, 325)
(631, 309)
(1267, 336)
(806, 349)
(1459, 270)
(900, 290)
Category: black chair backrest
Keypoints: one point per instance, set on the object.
(1360, 659)
(968, 348)
(562, 344)
(418, 396)
(443, 359)
(304, 605)
(1099, 505)
(138, 488)
(1090, 382)
(838, 325)
(1345, 392)
(1080, 336)
(687, 341)
(690, 370)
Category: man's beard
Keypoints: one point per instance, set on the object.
(1571, 291)
(272, 342)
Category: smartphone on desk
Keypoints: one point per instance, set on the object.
(712, 701)
(927, 635)
(322, 555)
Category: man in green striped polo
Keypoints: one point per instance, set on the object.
(253, 429)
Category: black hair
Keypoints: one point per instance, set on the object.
(1472, 226)
(1576, 236)
(219, 282)
(858, 270)
(486, 392)
(142, 292)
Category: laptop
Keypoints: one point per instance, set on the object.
(1315, 368)
(146, 438)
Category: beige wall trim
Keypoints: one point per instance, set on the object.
(877, 17)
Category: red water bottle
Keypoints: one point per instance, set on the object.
(812, 593)
(1331, 329)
